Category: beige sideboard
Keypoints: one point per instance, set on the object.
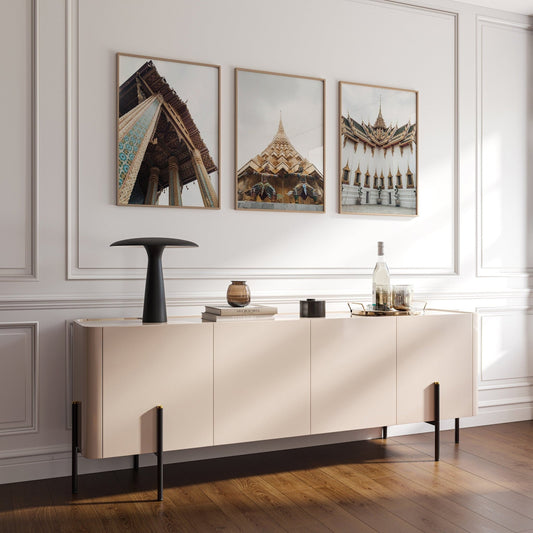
(250, 380)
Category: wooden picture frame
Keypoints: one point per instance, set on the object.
(378, 150)
(279, 142)
(168, 132)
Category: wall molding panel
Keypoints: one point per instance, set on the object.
(79, 268)
(488, 148)
(19, 365)
(506, 359)
(507, 401)
(506, 385)
(28, 271)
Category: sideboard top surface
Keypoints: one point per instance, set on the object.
(135, 322)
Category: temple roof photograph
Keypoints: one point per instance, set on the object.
(378, 116)
(280, 155)
(279, 141)
(163, 137)
(262, 97)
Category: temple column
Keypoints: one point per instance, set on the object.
(153, 182)
(209, 196)
(174, 185)
(135, 131)
(126, 121)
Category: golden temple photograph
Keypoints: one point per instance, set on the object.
(167, 133)
(378, 150)
(279, 141)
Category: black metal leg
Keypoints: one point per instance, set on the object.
(135, 462)
(159, 454)
(76, 415)
(384, 432)
(456, 431)
(437, 419)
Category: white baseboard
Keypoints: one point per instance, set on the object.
(55, 461)
(485, 417)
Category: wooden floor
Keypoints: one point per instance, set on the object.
(484, 484)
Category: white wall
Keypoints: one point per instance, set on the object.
(470, 247)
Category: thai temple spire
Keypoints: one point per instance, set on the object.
(380, 123)
(281, 136)
(280, 155)
(280, 146)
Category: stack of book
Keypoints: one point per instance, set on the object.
(218, 313)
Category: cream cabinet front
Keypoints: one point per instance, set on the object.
(262, 381)
(127, 371)
(435, 348)
(249, 380)
(353, 373)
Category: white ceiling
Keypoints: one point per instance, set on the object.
(525, 7)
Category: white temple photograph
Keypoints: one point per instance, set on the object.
(378, 150)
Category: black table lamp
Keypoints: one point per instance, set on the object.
(155, 308)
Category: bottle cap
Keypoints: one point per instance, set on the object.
(380, 247)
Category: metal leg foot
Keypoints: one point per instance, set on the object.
(76, 415)
(456, 431)
(135, 462)
(384, 432)
(159, 454)
(437, 419)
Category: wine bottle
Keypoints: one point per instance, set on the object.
(381, 289)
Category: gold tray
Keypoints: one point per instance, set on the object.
(367, 310)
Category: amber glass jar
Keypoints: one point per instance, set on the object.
(238, 294)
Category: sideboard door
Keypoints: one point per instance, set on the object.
(169, 365)
(353, 373)
(435, 348)
(261, 380)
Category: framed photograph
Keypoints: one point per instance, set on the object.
(168, 132)
(279, 141)
(378, 150)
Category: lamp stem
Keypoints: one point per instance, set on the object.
(155, 308)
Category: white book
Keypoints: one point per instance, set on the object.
(210, 317)
(228, 310)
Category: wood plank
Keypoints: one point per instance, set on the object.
(519, 435)
(397, 502)
(493, 449)
(460, 494)
(83, 513)
(436, 502)
(199, 510)
(32, 505)
(7, 514)
(279, 505)
(490, 490)
(519, 444)
(322, 509)
(116, 506)
(243, 510)
(166, 516)
(512, 479)
(68, 512)
(515, 430)
(354, 501)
